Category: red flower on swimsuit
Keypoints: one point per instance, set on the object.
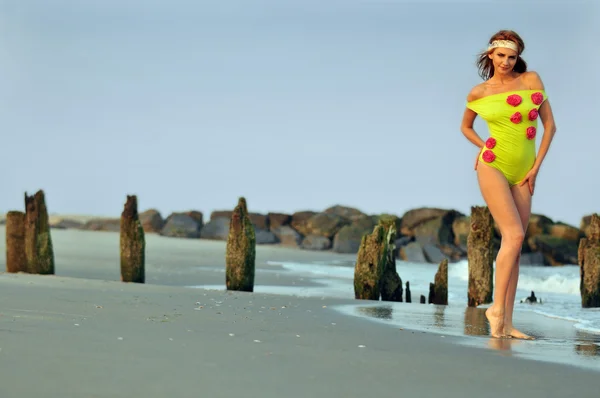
(488, 156)
(514, 99)
(531, 132)
(533, 114)
(517, 117)
(490, 143)
(537, 98)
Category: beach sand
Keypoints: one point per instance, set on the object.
(82, 333)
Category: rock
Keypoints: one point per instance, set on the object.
(452, 252)
(103, 224)
(240, 258)
(460, 228)
(370, 264)
(432, 253)
(220, 214)
(416, 217)
(265, 237)
(287, 236)
(324, 224)
(348, 238)
(39, 251)
(216, 229)
(316, 242)
(538, 225)
(479, 254)
(299, 220)
(181, 225)
(566, 231)
(133, 243)
(65, 223)
(152, 221)
(277, 220)
(346, 212)
(556, 251)
(258, 220)
(412, 252)
(437, 231)
(196, 216)
(16, 261)
(589, 265)
(439, 288)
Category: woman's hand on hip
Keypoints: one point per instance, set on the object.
(530, 180)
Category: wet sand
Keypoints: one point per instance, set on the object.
(84, 333)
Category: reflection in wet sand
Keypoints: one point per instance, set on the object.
(587, 345)
(505, 344)
(377, 312)
(438, 316)
(476, 323)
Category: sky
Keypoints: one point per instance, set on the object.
(295, 105)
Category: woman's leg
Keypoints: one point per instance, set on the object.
(522, 198)
(498, 197)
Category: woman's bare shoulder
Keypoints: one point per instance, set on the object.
(533, 80)
(476, 92)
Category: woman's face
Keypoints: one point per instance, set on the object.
(504, 60)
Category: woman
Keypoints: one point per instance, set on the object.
(510, 100)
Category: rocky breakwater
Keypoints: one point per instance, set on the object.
(424, 234)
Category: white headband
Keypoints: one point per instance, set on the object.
(503, 43)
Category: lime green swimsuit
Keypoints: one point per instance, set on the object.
(512, 121)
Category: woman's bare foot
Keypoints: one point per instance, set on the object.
(496, 320)
(517, 334)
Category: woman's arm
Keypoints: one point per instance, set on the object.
(469, 116)
(547, 119)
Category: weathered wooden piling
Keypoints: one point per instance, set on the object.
(480, 257)
(391, 283)
(15, 242)
(438, 290)
(133, 243)
(240, 257)
(370, 264)
(408, 295)
(39, 252)
(589, 265)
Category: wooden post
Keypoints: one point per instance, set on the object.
(370, 264)
(391, 283)
(240, 257)
(438, 290)
(15, 242)
(133, 243)
(589, 265)
(38, 241)
(480, 257)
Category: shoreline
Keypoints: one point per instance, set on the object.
(126, 340)
(198, 266)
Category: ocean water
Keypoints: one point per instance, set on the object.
(556, 288)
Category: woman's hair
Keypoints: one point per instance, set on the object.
(485, 64)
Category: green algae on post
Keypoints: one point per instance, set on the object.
(38, 241)
(15, 242)
(391, 283)
(480, 257)
(240, 256)
(133, 243)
